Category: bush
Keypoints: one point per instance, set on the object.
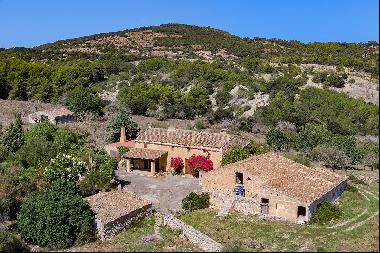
(311, 135)
(10, 243)
(57, 218)
(176, 163)
(239, 153)
(13, 188)
(122, 150)
(280, 139)
(326, 212)
(82, 101)
(12, 138)
(194, 201)
(199, 162)
(93, 183)
(330, 156)
(65, 167)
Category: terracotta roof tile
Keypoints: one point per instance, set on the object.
(294, 179)
(109, 206)
(144, 153)
(190, 138)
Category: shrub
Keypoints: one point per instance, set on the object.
(351, 188)
(176, 163)
(56, 218)
(122, 119)
(10, 243)
(325, 213)
(122, 150)
(12, 138)
(13, 188)
(65, 167)
(93, 183)
(82, 101)
(239, 153)
(194, 201)
(280, 139)
(330, 156)
(311, 135)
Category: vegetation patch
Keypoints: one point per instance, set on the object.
(326, 212)
(194, 201)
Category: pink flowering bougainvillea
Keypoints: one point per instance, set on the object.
(199, 162)
(177, 164)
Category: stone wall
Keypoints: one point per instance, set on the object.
(331, 196)
(223, 182)
(107, 230)
(194, 236)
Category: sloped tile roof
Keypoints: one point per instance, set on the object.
(144, 153)
(189, 138)
(108, 206)
(293, 179)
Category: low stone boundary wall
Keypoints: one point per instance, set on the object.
(194, 236)
(110, 229)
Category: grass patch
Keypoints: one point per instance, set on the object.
(243, 233)
(132, 239)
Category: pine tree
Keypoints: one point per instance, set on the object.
(13, 136)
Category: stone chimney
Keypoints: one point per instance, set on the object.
(122, 135)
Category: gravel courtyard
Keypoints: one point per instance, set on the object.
(165, 192)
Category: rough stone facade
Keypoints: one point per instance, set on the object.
(185, 143)
(54, 116)
(115, 211)
(274, 186)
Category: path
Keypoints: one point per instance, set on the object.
(352, 221)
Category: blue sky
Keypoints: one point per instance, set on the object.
(33, 22)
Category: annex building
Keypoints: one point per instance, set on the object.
(274, 186)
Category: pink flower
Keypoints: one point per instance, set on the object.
(199, 162)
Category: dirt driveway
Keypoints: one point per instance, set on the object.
(165, 192)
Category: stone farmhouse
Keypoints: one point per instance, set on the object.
(273, 186)
(154, 148)
(54, 116)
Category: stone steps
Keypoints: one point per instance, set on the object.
(225, 208)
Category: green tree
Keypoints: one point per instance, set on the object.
(312, 135)
(56, 218)
(279, 139)
(13, 136)
(122, 119)
(196, 102)
(241, 153)
(82, 101)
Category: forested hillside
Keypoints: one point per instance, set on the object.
(190, 72)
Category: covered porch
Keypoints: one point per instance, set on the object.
(146, 160)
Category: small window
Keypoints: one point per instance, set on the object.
(301, 211)
(239, 178)
(188, 150)
(248, 179)
(145, 145)
(264, 201)
(172, 148)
